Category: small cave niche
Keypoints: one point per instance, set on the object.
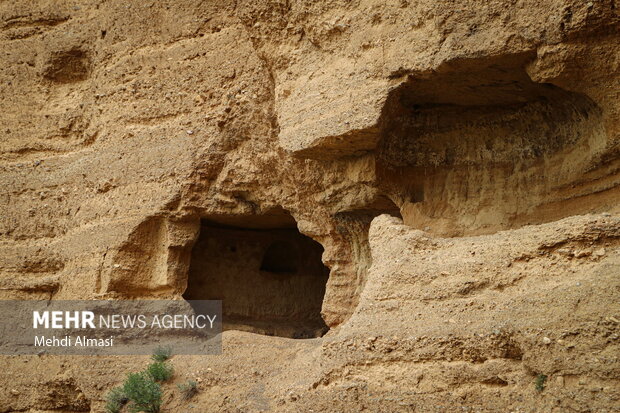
(68, 66)
(477, 146)
(281, 257)
(269, 276)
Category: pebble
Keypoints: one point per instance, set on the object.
(546, 340)
(14, 392)
(583, 253)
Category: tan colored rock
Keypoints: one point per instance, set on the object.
(453, 161)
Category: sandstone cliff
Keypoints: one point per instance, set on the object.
(455, 163)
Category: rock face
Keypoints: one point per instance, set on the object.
(458, 163)
(269, 280)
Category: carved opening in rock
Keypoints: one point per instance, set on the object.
(269, 276)
(478, 147)
(280, 258)
(68, 66)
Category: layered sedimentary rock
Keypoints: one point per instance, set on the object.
(491, 129)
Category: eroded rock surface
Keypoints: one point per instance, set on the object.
(491, 129)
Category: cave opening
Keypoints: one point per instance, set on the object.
(269, 276)
(477, 147)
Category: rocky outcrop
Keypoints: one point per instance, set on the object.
(491, 129)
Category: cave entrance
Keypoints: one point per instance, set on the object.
(269, 276)
(477, 147)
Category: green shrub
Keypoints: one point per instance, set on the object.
(162, 353)
(143, 393)
(115, 400)
(159, 371)
(540, 382)
(188, 389)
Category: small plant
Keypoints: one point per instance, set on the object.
(159, 371)
(540, 382)
(143, 393)
(188, 389)
(115, 400)
(162, 353)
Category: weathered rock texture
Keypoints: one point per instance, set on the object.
(269, 280)
(491, 128)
